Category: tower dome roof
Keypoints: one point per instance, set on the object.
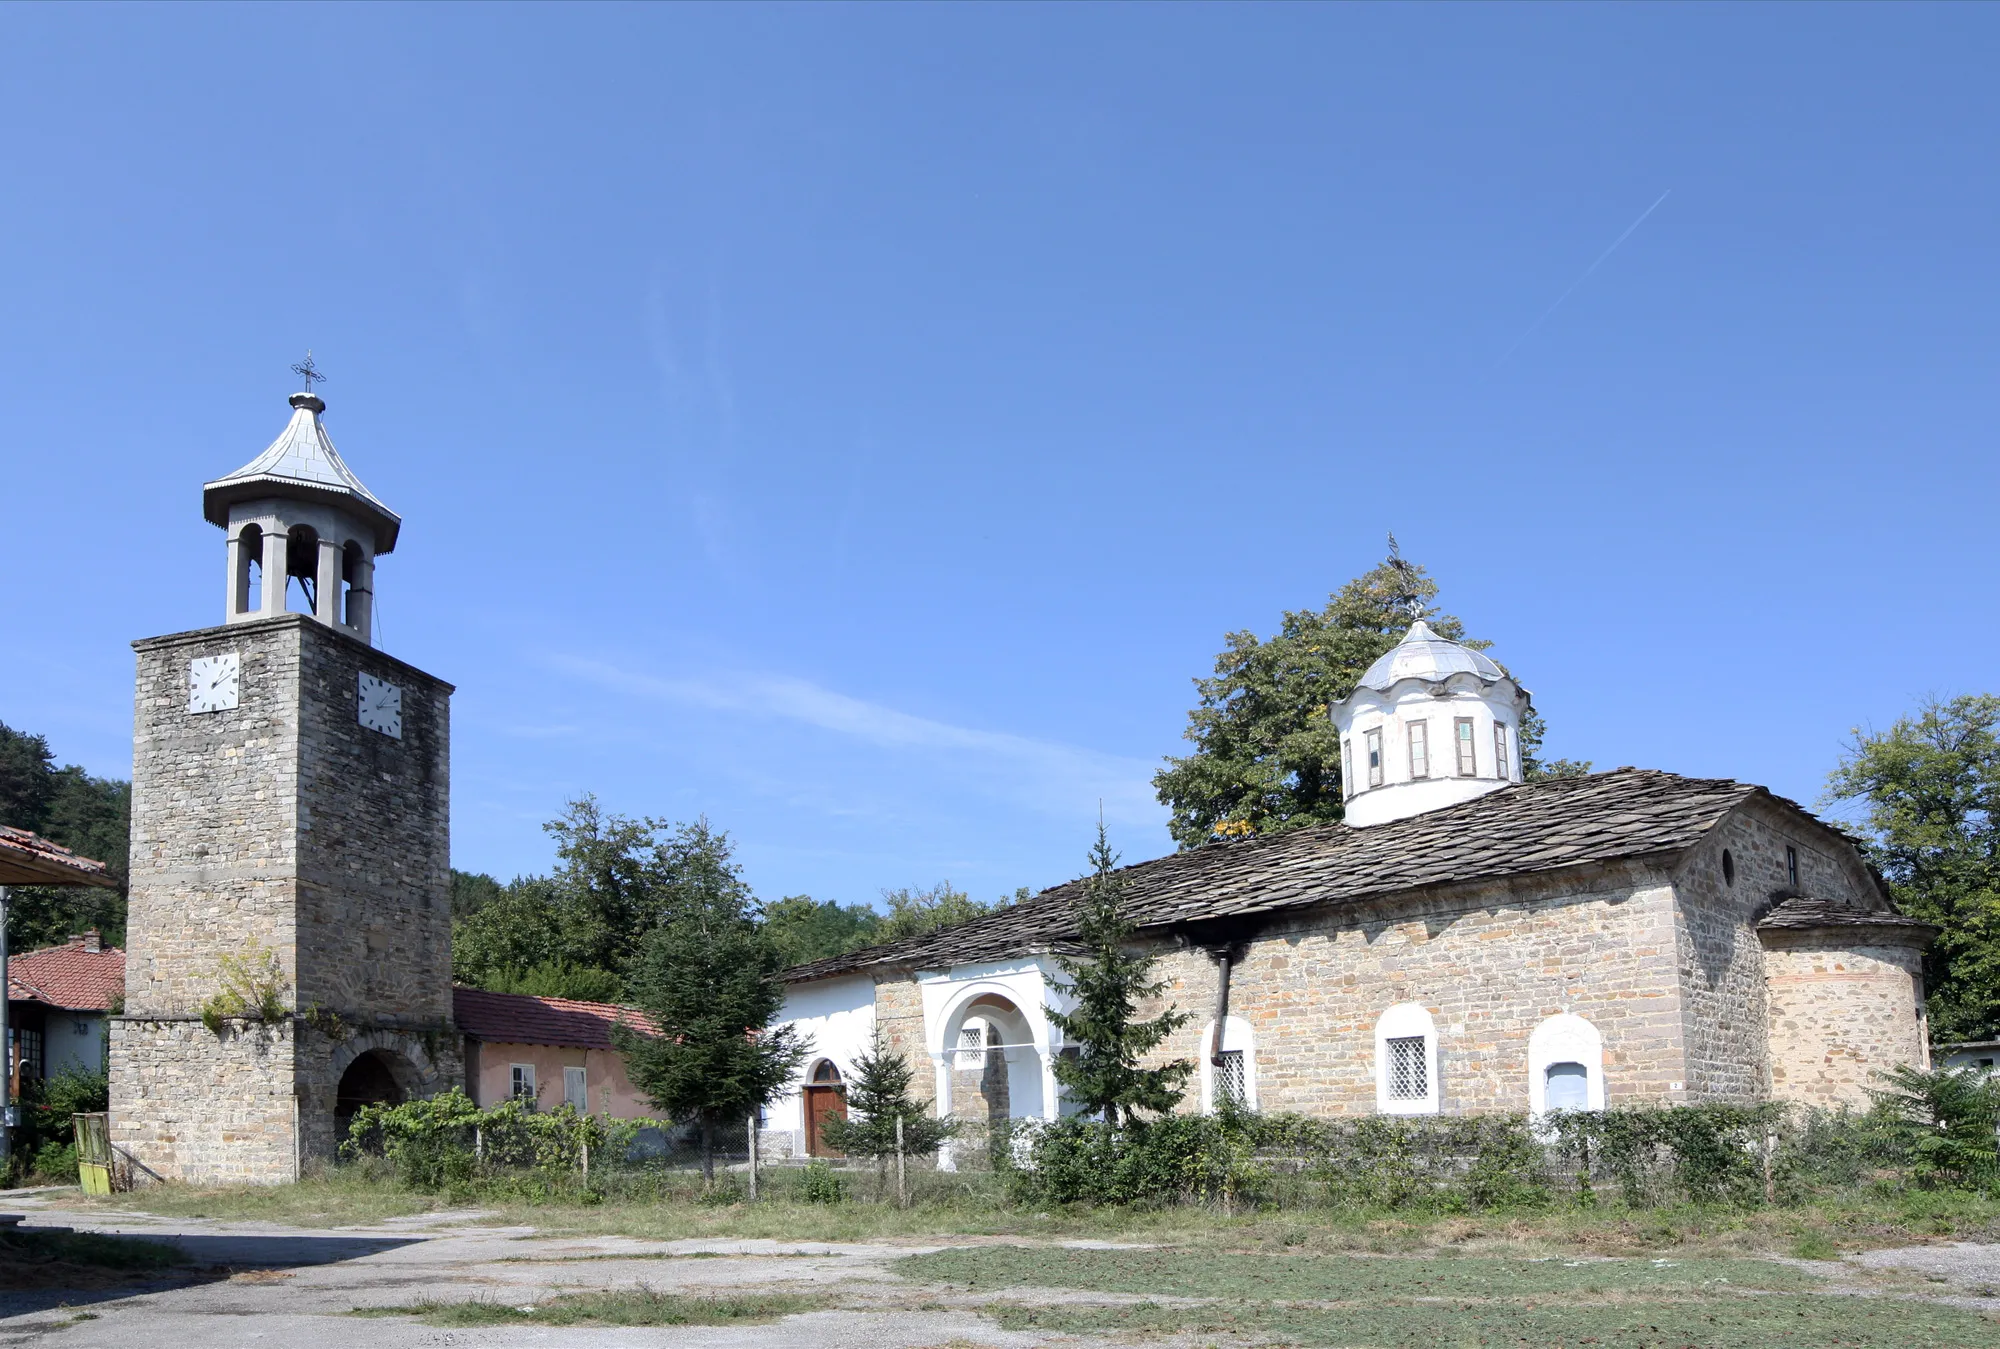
(1422, 654)
(302, 463)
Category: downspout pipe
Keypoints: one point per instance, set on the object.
(1221, 1004)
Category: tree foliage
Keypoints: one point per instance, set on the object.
(88, 815)
(1266, 756)
(707, 977)
(1928, 787)
(806, 929)
(1108, 983)
(878, 1094)
(1949, 1116)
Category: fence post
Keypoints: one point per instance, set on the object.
(478, 1143)
(752, 1135)
(902, 1182)
(1770, 1185)
(586, 1163)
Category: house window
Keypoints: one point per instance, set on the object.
(1501, 763)
(1420, 750)
(576, 1092)
(1372, 742)
(28, 1054)
(1792, 867)
(1468, 758)
(1406, 1061)
(524, 1083)
(1409, 1073)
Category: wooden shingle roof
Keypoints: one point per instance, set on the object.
(1533, 827)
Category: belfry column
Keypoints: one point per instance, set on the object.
(235, 602)
(361, 600)
(327, 610)
(276, 544)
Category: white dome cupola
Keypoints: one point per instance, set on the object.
(1431, 723)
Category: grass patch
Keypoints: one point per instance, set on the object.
(1335, 1278)
(627, 1307)
(31, 1259)
(1715, 1323)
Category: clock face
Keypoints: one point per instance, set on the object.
(380, 707)
(212, 683)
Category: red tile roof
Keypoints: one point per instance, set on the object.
(523, 1019)
(71, 976)
(29, 859)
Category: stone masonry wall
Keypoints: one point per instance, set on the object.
(1839, 1012)
(374, 841)
(899, 1019)
(188, 1104)
(1722, 963)
(1490, 963)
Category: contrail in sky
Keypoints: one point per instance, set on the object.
(1581, 279)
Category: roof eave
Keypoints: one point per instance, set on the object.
(218, 496)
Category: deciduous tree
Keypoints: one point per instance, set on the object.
(1928, 788)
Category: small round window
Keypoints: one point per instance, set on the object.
(1728, 868)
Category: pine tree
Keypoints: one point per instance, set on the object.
(1108, 983)
(707, 977)
(878, 1094)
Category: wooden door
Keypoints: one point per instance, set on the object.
(820, 1103)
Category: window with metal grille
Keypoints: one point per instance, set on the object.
(1420, 750)
(1468, 758)
(1500, 760)
(972, 1047)
(1372, 742)
(1229, 1081)
(1409, 1068)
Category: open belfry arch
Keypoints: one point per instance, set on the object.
(289, 938)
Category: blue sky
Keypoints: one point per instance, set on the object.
(860, 424)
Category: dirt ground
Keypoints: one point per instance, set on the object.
(267, 1285)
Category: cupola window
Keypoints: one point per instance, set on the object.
(1468, 757)
(1420, 751)
(1501, 761)
(1371, 742)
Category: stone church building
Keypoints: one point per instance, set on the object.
(1464, 941)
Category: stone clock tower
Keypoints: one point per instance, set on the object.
(289, 938)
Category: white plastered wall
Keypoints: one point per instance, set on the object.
(838, 1015)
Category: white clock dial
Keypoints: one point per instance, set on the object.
(380, 706)
(212, 683)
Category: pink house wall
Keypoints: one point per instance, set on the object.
(489, 1077)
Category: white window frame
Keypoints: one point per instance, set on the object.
(1405, 1020)
(1237, 1038)
(1419, 738)
(576, 1088)
(1503, 758)
(522, 1075)
(1565, 1038)
(1371, 754)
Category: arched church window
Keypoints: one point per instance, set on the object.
(1228, 1070)
(825, 1073)
(1565, 1065)
(1406, 1061)
(1728, 868)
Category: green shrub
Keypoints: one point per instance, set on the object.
(820, 1184)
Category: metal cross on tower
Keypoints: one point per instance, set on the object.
(1409, 600)
(306, 371)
